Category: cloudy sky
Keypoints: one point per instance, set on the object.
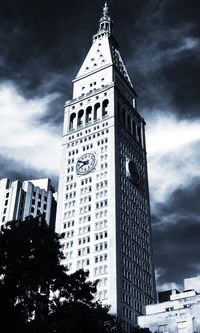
(42, 45)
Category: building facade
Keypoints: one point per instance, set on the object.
(179, 312)
(21, 199)
(103, 197)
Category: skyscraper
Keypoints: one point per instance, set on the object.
(31, 197)
(103, 199)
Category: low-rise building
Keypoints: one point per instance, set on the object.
(176, 311)
(31, 197)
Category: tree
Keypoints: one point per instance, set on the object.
(37, 294)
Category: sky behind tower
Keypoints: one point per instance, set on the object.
(43, 44)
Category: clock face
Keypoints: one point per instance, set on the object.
(133, 172)
(85, 164)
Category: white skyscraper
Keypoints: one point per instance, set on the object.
(21, 199)
(103, 199)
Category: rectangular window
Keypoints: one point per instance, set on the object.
(182, 327)
(162, 328)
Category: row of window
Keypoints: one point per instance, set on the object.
(142, 221)
(98, 225)
(102, 184)
(88, 138)
(133, 228)
(70, 186)
(69, 224)
(101, 194)
(83, 251)
(101, 258)
(101, 204)
(69, 214)
(89, 130)
(69, 178)
(101, 214)
(85, 190)
(85, 200)
(101, 235)
(136, 270)
(102, 282)
(83, 117)
(69, 244)
(137, 259)
(84, 230)
(70, 204)
(70, 195)
(86, 181)
(68, 255)
(101, 224)
(102, 295)
(84, 219)
(102, 175)
(69, 234)
(82, 263)
(85, 209)
(101, 246)
(133, 127)
(99, 270)
(83, 240)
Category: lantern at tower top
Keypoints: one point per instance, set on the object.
(105, 23)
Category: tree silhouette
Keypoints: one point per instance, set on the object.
(36, 293)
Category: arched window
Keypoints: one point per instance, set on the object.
(72, 121)
(118, 110)
(139, 135)
(134, 129)
(124, 116)
(96, 111)
(129, 123)
(104, 108)
(80, 118)
(88, 114)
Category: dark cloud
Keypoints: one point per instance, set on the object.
(183, 11)
(12, 169)
(15, 169)
(176, 229)
(183, 76)
(164, 60)
(43, 44)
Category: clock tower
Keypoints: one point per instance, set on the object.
(103, 202)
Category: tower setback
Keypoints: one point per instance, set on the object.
(103, 199)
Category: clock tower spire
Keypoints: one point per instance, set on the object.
(105, 23)
(103, 199)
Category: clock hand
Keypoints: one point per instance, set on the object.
(83, 163)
